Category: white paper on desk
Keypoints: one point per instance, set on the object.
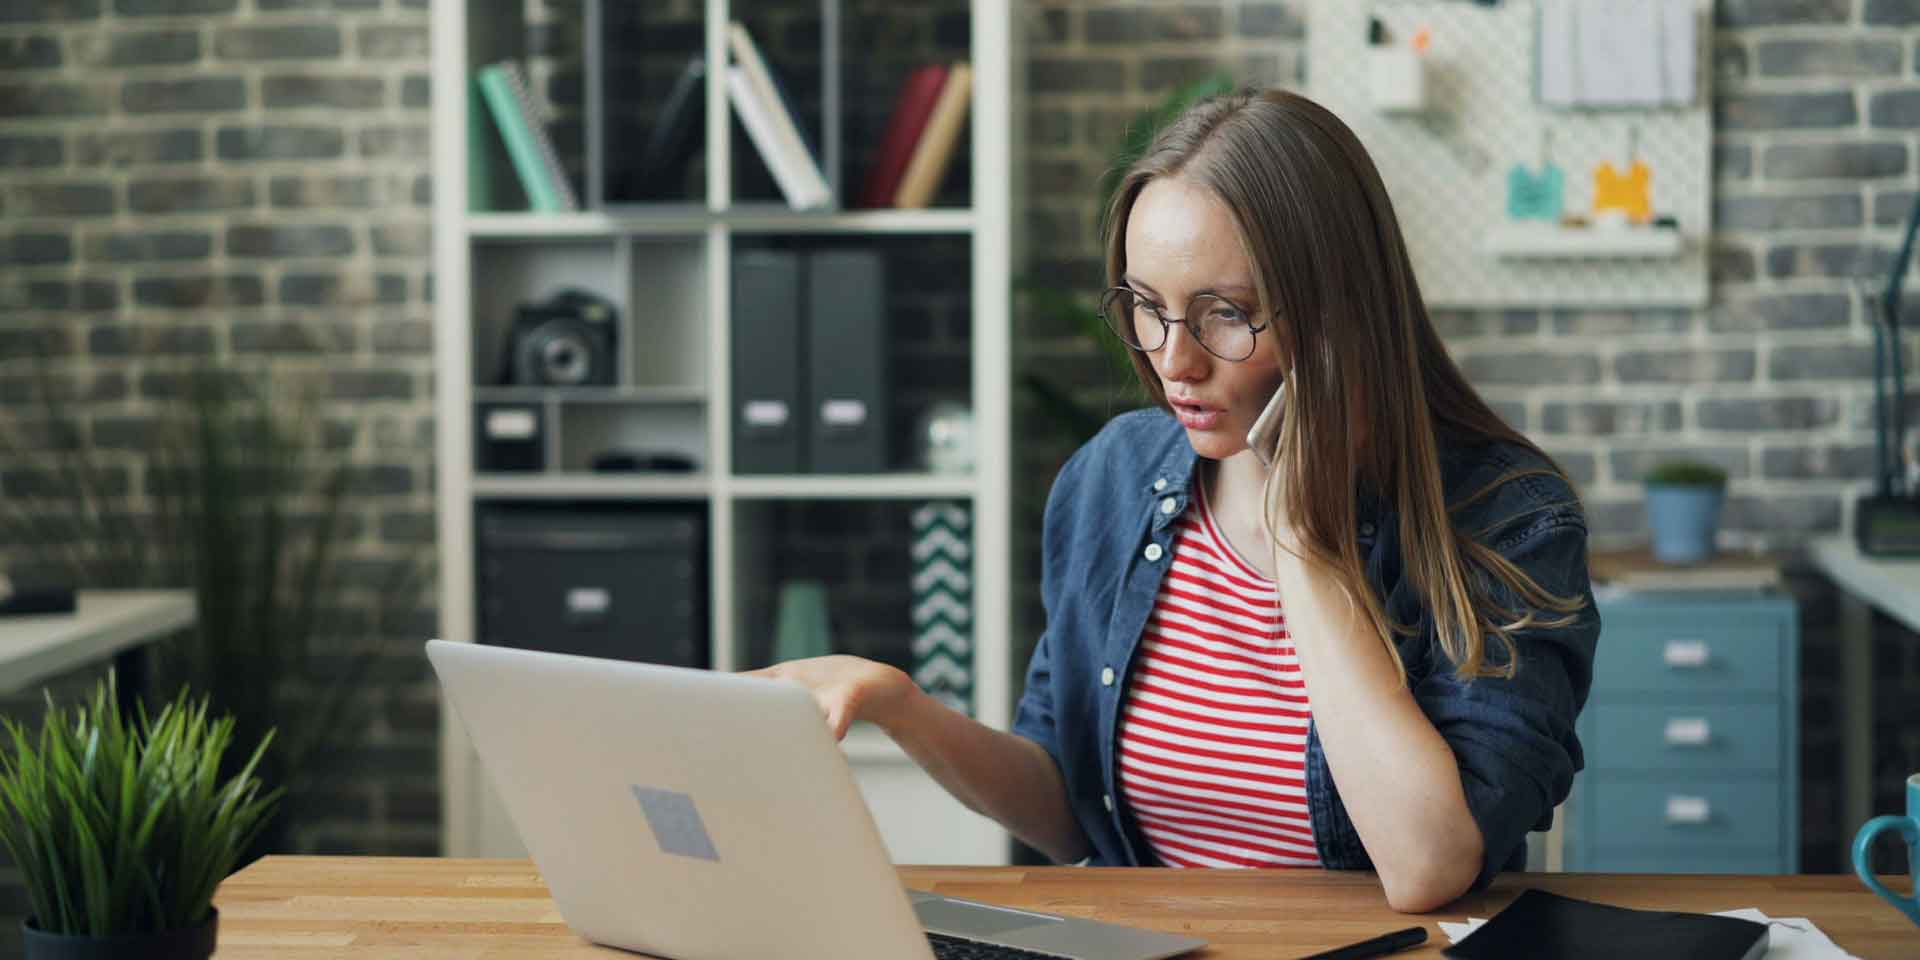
(1788, 938)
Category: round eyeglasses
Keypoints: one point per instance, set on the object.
(1222, 327)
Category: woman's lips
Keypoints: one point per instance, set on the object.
(1195, 416)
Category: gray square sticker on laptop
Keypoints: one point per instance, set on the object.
(676, 824)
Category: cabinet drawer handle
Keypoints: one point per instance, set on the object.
(1687, 811)
(1686, 653)
(1688, 732)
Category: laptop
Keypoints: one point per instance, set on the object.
(698, 816)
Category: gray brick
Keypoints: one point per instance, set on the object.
(1853, 56)
(371, 385)
(280, 143)
(137, 148)
(1684, 366)
(33, 51)
(1153, 24)
(29, 150)
(1786, 515)
(136, 246)
(199, 290)
(311, 289)
(185, 95)
(1835, 161)
(82, 388)
(284, 337)
(317, 4)
(1166, 73)
(142, 48)
(150, 339)
(63, 101)
(1819, 212)
(1765, 414)
(47, 11)
(416, 92)
(1115, 25)
(423, 191)
(1892, 12)
(1630, 464)
(1732, 161)
(1793, 311)
(84, 296)
(1598, 323)
(1785, 111)
(172, 8)
(1729, 263)
(1616, 518)
(289, 241)
(63, 200)
(402, 240)
(36, 249)
(1892, 207)
(390, 288)
(1049, 127)
(1817, 462)
(408, 527)
(1828, 260)
(113, 481)
(386, 41)
(1894, 109)
(190, 195)
(412, 140)
(1531, 368)
(1761, 13)
(393, 337)
(286, 91)
(308, 192)
(293, 42)
(1851, 361)
(1604, 418)
(1069, 74)
(1270, 20)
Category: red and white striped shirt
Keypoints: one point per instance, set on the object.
(1213, 731)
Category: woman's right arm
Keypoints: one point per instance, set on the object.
(1000, 775)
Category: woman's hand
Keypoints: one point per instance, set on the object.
(848, 689)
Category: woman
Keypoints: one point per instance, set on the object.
(1369, 655)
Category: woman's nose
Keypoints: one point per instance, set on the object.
(1182, 357)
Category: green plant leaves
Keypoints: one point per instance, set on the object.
(125, 828)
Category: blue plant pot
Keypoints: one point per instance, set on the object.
(1683, 520)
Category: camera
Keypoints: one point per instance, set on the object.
(567, 340)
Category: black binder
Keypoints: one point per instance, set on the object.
(847, 362)
(768, 419)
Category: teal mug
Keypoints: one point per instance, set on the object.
(1909, 830)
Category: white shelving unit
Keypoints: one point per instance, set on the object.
(681, 253)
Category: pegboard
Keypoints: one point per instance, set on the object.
(1446, 168)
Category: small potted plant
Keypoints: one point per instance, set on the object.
(1683, 508)
(123, 829)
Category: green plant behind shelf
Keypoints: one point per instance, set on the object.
(1686, 473)
(123, 827)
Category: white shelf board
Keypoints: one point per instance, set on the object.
(654, 395)
(878, 486)
(1542, 241)
(691, 222)
(612, 486)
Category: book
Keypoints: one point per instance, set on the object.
(522, 128)
(1637, 570)
(786, 133)
(760, 129)
(911, 108)
(935, 149)
(670, 145)
(488, 188)
(1541, 924)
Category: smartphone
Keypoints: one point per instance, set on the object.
(1264, 438)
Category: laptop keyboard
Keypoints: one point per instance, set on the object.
(954, 948)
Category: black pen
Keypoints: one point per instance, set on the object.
(1379, 946)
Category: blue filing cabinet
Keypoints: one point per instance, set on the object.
(1692, 737)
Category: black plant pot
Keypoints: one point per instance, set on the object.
(192, 944)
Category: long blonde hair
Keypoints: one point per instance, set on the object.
(1328, 258)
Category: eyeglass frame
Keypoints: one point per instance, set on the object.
(1166, 322)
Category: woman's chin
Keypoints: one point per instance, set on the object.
(1215, 444)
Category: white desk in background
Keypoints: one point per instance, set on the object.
(107, 623)
(1891, 586)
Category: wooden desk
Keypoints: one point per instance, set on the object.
(349, 908)
(107, 623)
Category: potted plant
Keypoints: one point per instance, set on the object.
(122, 829)
(1683, 508)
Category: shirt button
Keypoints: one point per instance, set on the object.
(1160, 484)
(1107, 798)
(1153, 552)
(1169, 505)
(1366, 529)
(1106, 676)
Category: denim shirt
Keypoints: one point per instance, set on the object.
(1111, 522)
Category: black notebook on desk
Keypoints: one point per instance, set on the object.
(1542, 925)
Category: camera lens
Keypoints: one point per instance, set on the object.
(565, 362)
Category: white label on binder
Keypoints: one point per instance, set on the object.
(1688, 731)
(1686, 653)
(588, 600)
(1690, 810)
(843, 413)
(765, 413)
(510, 424)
